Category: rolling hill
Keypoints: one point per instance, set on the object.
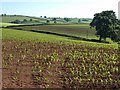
(38, 20)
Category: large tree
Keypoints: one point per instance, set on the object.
(115, 35)
(105, 24)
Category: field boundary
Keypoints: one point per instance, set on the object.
(69, 36)
(58, 34)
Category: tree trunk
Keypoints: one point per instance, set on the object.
(104, 39)
(100, 38)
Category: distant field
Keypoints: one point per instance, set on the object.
(79, 30)
(38, 20)
(10, 18)
(82, 30)
(7, 24)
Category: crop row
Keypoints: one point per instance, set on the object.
(39, 64)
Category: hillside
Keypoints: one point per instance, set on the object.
(21, 19)
(11, 18)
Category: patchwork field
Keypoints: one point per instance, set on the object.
(21, 19)
(76, 30)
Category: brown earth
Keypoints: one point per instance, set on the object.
(46, 65)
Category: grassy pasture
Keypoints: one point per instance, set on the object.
(7, 24)
(9, 34)
(26, 36)
(10, 18)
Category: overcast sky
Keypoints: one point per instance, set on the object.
(58, 8)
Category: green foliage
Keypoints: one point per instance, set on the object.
(17, 21)
(116, 33)
(3, 15)
(67, 19)
(105, 24)
(30, 19)
(45, 16)
(25, 20)
(54, 19)
(90, 66)
(47, 21)
(79, 21)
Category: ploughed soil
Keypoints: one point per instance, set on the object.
(30, 64)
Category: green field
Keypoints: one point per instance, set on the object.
(10, 18)
(82, 30)
(32, 36)
(7, 24)
(75, 30)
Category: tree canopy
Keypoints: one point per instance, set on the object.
(106, 25)
(67, 19)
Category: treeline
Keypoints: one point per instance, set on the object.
(50, 20)
(17, 21)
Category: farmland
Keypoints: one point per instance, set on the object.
(58, 65)
(39, 20)
(10, 18)
(45, 60)
(72, 29)
(7, 24)
(51, 61)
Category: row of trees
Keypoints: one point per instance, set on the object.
(55, 20)
(17, 21)
(3, 15)
(107, 25)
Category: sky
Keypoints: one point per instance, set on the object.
(58, 8)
